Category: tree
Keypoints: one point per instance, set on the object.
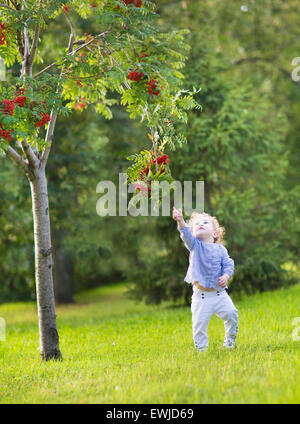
(136, 61)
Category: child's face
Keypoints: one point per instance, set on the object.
(203, 228)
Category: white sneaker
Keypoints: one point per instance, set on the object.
(202, 349)
(228, 344)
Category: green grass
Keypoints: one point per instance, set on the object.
(116, 351)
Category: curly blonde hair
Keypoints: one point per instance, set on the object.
(219, 230)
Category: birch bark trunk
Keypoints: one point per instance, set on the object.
(49, 340)
(34, 166)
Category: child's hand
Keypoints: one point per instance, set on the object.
(223, 280)
(177, 214)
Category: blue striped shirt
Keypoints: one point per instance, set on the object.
(207, 261)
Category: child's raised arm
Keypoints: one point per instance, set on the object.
(185, 232)
(177, 216)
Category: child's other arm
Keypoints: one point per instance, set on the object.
(227, 269)
(227, 264)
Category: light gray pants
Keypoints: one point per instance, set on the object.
(204, 304)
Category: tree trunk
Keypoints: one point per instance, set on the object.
(49, 340)
(62, 269)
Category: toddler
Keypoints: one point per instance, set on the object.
(210, 268)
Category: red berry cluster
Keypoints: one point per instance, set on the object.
(136, 3)
(66, 8)
(143, 55)
(143, 188)
(80, 105)
(160, 160)
(20, 100)
(8, 107)
(153, 89)
(135, 75)
(45, 116)
(45, 119)
(81, 58)
(163, 159)
(5, 134)
(2, 34)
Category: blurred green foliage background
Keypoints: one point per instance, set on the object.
(244, 145)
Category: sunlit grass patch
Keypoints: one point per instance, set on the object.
(117, 351)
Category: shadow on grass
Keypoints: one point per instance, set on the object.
(286, 347)
(182, 306)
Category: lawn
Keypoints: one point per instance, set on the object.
(117, 351)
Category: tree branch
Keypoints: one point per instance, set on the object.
(72, 52)
(71, 41)
(30, 155)
(28, 57)
(49, 137)
(73, 32)
(33, 47)
(53, 114)
(26, 51)
(45, 69)
(19, 35)
(89, 42)
(19, 161)
(20, 44)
